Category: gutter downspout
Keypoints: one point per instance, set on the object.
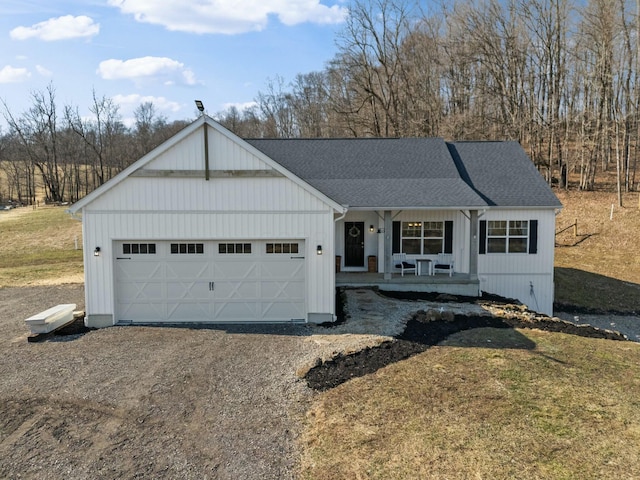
(346, 210)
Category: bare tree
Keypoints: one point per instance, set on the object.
(37, 131)
(103, 135)
(370, 56)
(276, 108)
(18, 169)
(149, 129)
(310, 101)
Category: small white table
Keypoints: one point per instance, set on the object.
(429, 264)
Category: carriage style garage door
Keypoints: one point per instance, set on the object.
(210, 281)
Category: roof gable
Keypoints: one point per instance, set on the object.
(189, 140)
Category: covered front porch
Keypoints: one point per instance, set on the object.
(367, 242)
(457, 284)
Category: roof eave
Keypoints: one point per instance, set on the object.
(422, 207)
(453, 207)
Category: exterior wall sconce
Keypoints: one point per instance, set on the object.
(96, 252)
(319, 250)
(371, 229)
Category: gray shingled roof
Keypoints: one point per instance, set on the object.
(410, 172)
(503, 174)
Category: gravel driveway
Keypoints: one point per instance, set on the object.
(144, 402)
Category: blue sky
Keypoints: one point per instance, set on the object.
(222, 52)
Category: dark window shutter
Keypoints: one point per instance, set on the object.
(395, 240)
(482, 241)
(448, 236)
(533, 236)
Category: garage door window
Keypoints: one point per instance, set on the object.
(225, 248)
(187, 248)
(282, 248)
(139, 248)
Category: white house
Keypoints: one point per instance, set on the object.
(209, 227)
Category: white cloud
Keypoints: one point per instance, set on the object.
(229, 16)
(43, 71)
(9, 74)
(131, 102)
(60, 28)
(155, 68)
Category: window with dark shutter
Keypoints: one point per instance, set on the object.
(508, 236)
(448, 236)
(533, 236)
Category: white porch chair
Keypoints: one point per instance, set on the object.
(400, 261)
(443, 263)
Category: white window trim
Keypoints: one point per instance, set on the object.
(508, 236)
(422, 238)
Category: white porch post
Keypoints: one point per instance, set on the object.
(388, 244)
(473, 245)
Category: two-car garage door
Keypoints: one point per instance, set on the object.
(210, 281)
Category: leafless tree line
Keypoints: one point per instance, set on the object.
(559, 76)
(57, 154)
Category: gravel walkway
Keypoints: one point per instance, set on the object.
(626, 324)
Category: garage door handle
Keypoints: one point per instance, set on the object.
(297, 257)
(212, 286)
(123, 258)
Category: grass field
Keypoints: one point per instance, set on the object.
(38, 247)
(486, 403)
(599, 268)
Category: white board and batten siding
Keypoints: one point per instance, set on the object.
(175, 208)
(225, 153)
(525, 277)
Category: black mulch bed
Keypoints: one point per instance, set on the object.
(421, 334)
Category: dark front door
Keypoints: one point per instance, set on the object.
(354, 244)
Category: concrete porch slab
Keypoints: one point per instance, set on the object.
(458, 284)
